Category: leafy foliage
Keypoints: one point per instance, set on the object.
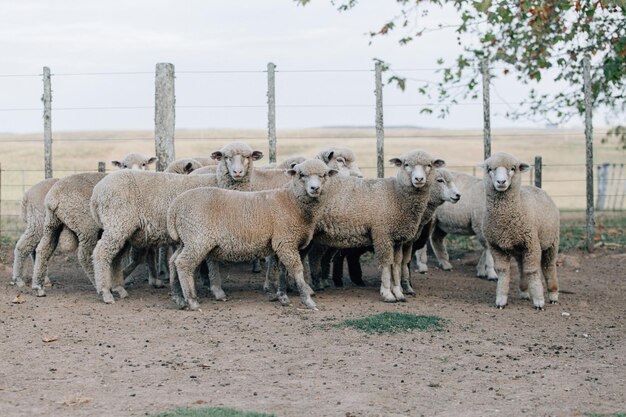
(209, 412)
(529, 38)
(391, 322)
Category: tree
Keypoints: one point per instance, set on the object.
(528, 38)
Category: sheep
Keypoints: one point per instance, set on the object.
(207, 169)
(235, 162)
(463, 218)
(383, 213)
(131, 206)
(136, 161)
(341, 159)
(33, 215)
(66, 207)
(226, 225)
(183, 166)
(205, 161)
(442, 190)
(520, 222)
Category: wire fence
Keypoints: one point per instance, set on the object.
(563, 173)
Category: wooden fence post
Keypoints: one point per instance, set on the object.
(380, 129)
(164, 115)
(271, 110)
(538, 167)
(484, 69)
(47, 122)
(590, 221)
(101, 166)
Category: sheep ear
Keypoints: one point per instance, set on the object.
(189, 167)
(217, 155)
(523, 167)
(152, 160)
(116, 164)
(332, 172)
(396, 161)
(327, 156)
(439, 163)
(292, 165)
(256, 155)
(290, 172)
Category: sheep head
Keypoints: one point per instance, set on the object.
(309, 176)
(136, 161)
(444, 186)
(416, 168)
(237, 158)
(341, 159)
(502, 170)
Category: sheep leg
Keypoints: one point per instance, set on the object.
(406, 252)
(118, 276)
(107, 249)
(177, 292)
(46, 247)
(203, 272)
(292, 261)
(315, 262)
(385, 256)
(24, 247)
(401, 259)
(548, 267)
(216, 281)
(136, 255)
(186, 263)
(523, 282)
(354, 266)
(421, 260)
(338, 269)
(325, 267)
(531, 266)
(162, 267)
(271, 277)
(502, 265)
(256, 266)
(86, 245)
(154, 274)
(439, 247)
(489, 266)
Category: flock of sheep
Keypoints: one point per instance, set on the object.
(298, 215)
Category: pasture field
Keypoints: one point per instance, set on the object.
(563, 153)
(69, 354)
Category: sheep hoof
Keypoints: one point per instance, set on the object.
(158, 283)
(193, 304)
(422, 269)
(107, 297)
(446, 266)
(18, 283)
(500, 307)
(272, 297)
(283, 299)
(492, 278)
(538, 308)
(129, 281)
(524, 295)
(554, 302)
(41, 292)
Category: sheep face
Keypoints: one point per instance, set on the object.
(343, 160)
(310, 176)
(237, 158)
(136, 161)
(416, 168)
(502, 170)
(447, 189)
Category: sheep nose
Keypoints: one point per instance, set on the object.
(501, 182)
(314, 188)
(419, 179)
(457, 195)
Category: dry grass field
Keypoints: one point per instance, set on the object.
(563, 153)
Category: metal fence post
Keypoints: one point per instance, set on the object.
(538, 167)
(271, 110)
(101, 166)
(47, 122)
(164, 115)
(484, 69)
(590, 221)
(380, 129)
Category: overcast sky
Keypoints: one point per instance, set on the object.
(81, 36)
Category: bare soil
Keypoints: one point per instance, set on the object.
(68, 354)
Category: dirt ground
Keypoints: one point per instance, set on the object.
(142, 355)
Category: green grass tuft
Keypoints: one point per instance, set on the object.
(617, 414)
(209, 412)
(391, 322)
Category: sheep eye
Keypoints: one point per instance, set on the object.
(125, 166)
(513, 169)
(406, 165)
(302, 175)
(440, 180)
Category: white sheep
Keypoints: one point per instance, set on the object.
(131, 207)
(66, 207)
(341, 159)
(205, 161)
(226, 225)
(520, 222)
(383, 213)
(464, 218)
(183, 166)
(33, 214)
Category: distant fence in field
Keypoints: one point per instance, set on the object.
(608, 188)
